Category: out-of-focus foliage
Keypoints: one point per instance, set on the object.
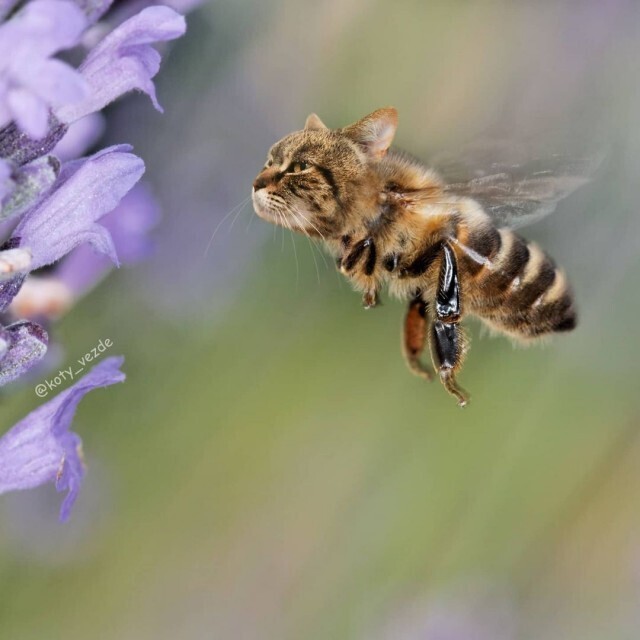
(270, 469)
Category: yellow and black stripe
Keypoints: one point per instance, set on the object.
(518, 288)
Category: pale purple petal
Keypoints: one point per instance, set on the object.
(80, 137)
(86, 190)
(41, 28)
(125, 60)
(29, 111)
(129, 224)
(31, 182)
(41, 448)
(27, 345)
(31, 83)
(54, 82)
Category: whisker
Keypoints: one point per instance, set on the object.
(313, 255)
(309, 223)
(238, 207)
(280, 226)
(240, 210)
(251, 219)
(308, 237)
(295, 253)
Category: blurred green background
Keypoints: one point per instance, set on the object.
(270, 470)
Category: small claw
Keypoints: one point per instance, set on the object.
(370, 299)
(422, 372)
(449, 382)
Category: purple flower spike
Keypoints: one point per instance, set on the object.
(30, 80)
(86, 190)
(27, 344)
(41, 448)
(125, 60)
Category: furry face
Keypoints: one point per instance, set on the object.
(316, 179)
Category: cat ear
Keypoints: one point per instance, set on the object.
(375, 132)
(314, 122)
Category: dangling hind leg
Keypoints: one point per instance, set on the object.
(415, 336)
(447, 341)
(448, 344)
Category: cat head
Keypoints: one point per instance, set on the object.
(315, 179)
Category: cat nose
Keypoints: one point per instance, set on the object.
(260, 182)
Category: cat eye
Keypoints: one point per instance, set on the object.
(296, 167)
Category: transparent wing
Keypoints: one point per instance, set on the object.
(513, 189)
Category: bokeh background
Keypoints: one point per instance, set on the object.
(270, 470)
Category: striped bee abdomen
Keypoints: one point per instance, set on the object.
(519, 289)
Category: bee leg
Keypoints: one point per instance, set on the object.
(447, 340)
(448, 296)
(414, 337)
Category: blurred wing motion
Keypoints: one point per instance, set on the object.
(515, 191)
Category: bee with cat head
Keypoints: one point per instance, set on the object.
(449, 249)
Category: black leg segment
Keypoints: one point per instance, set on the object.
(448, 296)
(447, 339)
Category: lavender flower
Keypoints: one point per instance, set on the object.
(85, 191)
(41, 448)
(125, 60)
(30, 80)
(49, 209)
(129, 224)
